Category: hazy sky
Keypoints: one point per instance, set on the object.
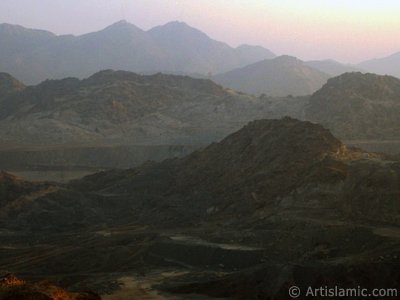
(346, 30)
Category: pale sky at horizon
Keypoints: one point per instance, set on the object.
(348, 31)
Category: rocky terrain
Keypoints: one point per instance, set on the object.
(116, 107)
(278, 77)
(35, 55)
(14, 288)
(64, 129)
(277, 203)
(9, 85)
(358, 106)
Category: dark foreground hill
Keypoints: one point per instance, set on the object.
(281, 76)
(277, 199)
(358, 106)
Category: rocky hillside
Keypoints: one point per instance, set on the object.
(281, 76)
(9, 85)
(12, 188)
(358, 106)
(125, 108)
(277, 199)
(35, 55)
(268, 163)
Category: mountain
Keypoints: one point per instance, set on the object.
(358, 106)
(277, 199)
(119, 107)
(282, 76)
(191, 50)
(16, 45)
(331, 67)
(34, 55)
(16, 41)
(389, 65)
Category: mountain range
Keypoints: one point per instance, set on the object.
(36, 55)
(231, 185)
(119, 107)
(276, 199)
(124, 108)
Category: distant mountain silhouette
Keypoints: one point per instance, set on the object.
(281, 76)
(331, 67)
(358, 106)
(35, 55)
(389, 65)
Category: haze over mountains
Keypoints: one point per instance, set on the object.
(33, 55)
(234, 184)
(389, 65)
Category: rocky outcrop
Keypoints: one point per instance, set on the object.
(13, 288)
